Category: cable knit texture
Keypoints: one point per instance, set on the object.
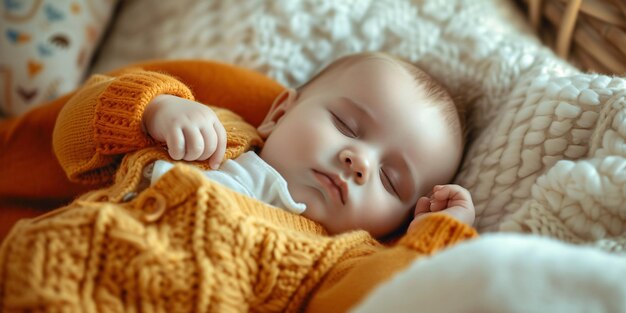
(547, 154)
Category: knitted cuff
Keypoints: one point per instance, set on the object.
(435, 232)
(117, 122)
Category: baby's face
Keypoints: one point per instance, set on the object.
(360, 145)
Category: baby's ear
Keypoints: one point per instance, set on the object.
(283, 103)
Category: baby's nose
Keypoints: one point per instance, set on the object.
(358, 165)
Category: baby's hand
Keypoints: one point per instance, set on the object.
(450, 199)
(190, 129)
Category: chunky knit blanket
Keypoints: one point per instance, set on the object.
(548, 148)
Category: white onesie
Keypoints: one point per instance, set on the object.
(247, 174)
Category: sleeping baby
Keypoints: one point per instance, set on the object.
(365, 147)
(356, 147)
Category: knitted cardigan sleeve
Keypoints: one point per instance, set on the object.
(361, 270)
(102, 121)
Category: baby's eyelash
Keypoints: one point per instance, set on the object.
(343, 127)
(393, 188)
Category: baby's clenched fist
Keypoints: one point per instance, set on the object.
(190, 129)
(449, 199)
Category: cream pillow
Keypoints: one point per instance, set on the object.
(45, 48)
(534, 116)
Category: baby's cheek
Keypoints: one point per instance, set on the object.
(379, 211)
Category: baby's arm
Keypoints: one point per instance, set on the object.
(102, 121)
(190, 129)
(362, 269)
(453, 200)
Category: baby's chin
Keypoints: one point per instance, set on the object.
(319, 214)
(314, 213)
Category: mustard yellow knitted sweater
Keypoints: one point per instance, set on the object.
(185, 244)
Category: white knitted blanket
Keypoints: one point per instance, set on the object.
(548, 154)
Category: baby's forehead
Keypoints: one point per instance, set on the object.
(374, 68)
(381, 81)
(384, 76)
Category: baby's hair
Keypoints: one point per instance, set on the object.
(453, 113)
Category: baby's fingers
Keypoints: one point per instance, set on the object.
(422, 206)
(220, 149)
(210, 143)
(437, 205)
(175, 141)
(453, 195)
(443, 195)
(194, 143)
(450, 192)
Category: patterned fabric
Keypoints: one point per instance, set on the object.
(548, 150)
(46, 47)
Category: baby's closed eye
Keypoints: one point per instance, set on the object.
(388, 183)
(345, 126)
